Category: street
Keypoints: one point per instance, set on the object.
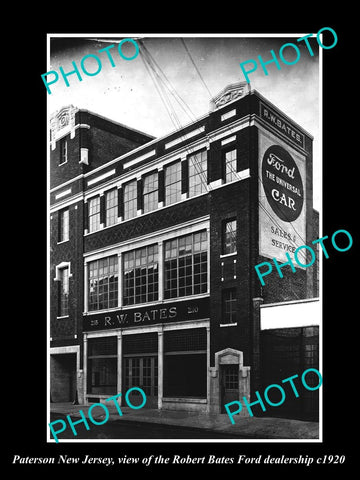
(130, 430)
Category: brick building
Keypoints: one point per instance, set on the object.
(153, 244)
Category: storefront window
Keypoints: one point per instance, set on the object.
(185, 375)
(102, 365)
(185, 363)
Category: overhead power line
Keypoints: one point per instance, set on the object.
(196, 68)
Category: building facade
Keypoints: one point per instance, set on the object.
(153, 244)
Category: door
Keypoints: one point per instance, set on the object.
(63, 377)
(229, 383)
(142, 372)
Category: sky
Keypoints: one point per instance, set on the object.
(128, 94)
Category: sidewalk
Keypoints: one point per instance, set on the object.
(254, 427)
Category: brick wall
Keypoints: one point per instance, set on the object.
(72, 168)
(145, 224)
(228, 202)
(105, 141)
(68, 251)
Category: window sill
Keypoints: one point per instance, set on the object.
(184, 400)
(142, 214)
(225, 255)
(62, 317)
(228, 324)
(63, 241)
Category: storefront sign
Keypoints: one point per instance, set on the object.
(282, 183)
(299, 262)
(186, 310)
(281, 125)
(282, 206)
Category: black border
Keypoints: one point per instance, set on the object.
(25, 392)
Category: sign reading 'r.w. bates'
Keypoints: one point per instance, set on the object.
(161, 313)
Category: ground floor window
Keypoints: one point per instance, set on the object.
(102, 365)
(185, 363)
(185, 375)
(142, 372)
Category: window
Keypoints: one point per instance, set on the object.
(229, 237)
(94, 214)
(198, 173)
(150, 192)
(229, 309)
(185, 363)
(186, 265)
(103, 283)
(63, 151)
(111, 206)
(64, 225)
(227, 115)
(63, 292)
(130, 200)
(142, 368)
(102, 365)
(230, 166)
(141, 280)
(231, 377)
(173, 183)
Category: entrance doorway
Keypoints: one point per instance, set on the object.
(232, 379)
(142, 372)
(63, 377)
(229, 378)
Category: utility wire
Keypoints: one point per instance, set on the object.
(164, 87)
(196, 68)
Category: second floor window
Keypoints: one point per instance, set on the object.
(141, 275)
(94, 214)
(64, 225)
(150, 192)
(229, 306)
(185, 268)
(63, 292)
(103, 283)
